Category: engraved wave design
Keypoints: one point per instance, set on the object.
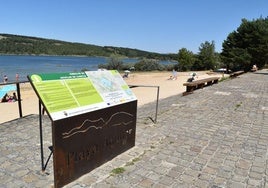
(91, 124)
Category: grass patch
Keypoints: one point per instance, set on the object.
(223, 79)
(136, 159)
(238, 105)
(130, 163)
(117, 171)
(133, 161)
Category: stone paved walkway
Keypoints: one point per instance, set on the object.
(215, 137)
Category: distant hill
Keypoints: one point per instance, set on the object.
(26, 45)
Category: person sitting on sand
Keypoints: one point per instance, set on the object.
(125, 75)
(8, 98)
(5, 98)
(193, 77)
(170, 78)
(254, 68)
(14, 98)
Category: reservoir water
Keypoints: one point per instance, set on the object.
(24, 65)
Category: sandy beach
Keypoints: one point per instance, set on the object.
(9, 110)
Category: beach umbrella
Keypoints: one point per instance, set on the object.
(5, 89)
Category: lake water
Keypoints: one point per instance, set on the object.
(25, 65)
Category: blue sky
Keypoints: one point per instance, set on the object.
(163, 26)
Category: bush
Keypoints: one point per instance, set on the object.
(114, 63)
(149, 65)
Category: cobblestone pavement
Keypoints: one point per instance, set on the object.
(216, 137)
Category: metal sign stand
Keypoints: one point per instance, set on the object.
(106, 131)
(43, 166)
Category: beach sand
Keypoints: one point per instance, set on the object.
(9, 111)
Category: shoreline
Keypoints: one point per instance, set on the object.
(9, 110)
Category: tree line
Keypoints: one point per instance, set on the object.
(243, 48)
(247, 46)
(25, 45)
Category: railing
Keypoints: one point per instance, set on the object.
(157, 99)
(18, 93)
(131, 86)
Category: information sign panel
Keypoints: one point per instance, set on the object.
(69, 94)
(93, 119)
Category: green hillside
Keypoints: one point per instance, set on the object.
(17, 44)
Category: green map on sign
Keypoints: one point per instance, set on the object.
(107, 81)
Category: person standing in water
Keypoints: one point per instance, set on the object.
(5, 79)
(17, 77)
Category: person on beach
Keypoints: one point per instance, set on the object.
(175, 74)
(170, 78)
(125, 75)
(193, 77)
(17, 77)
(254, 68)
(9, 98)
(14, 98)
(5, 79)
(5, 98)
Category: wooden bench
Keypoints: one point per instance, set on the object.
(191, 86)
(235, 74)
